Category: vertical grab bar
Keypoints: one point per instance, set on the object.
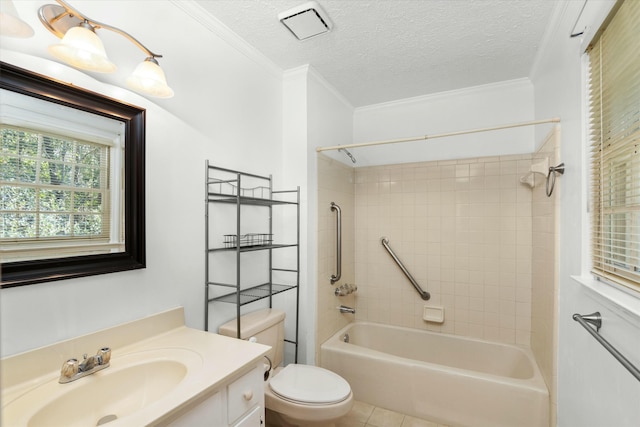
(423, 294)
(336, 277)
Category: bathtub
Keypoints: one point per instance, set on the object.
(442, 378)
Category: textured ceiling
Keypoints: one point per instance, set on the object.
(384, 50)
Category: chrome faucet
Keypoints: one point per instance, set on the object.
(345, 309)
(73, 370)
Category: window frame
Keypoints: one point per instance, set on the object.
(619, 278)
(133, 257)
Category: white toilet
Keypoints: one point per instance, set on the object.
(300, 395)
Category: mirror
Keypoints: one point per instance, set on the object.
(64, 151)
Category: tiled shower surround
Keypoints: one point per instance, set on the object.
(463, 229)
(544, 302)
(480, 241)
(335, 184)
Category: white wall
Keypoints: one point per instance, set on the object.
(314, 115)
(294, 155)
(238, 125)
(594, 390)
(464, 109)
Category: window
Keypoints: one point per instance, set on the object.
(614, 92)
(72, 185)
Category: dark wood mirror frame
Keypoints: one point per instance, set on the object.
(21, 273)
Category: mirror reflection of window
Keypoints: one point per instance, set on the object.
(60, 181)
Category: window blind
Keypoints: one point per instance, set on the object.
(614, 115)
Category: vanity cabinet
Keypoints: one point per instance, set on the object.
(237, 404)
(248, 258)
(244, 395)
(209, 412)
(253, 419)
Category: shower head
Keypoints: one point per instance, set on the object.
(353, 159)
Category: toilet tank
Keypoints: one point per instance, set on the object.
(266, 325)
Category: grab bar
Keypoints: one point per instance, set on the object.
(336, 277)
(423, 294)
(596, 320)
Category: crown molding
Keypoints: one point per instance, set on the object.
(296, 73)
(521, 82)
(553, 27)
(307, 71)
(320, 79)
(199, 14)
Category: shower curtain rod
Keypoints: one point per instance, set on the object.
(438, 135)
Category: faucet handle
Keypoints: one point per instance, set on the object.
(69, 368)
(104, 355)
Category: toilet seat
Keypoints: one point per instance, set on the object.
(309, 385)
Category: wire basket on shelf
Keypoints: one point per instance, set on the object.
(226, 187)
(247, 240)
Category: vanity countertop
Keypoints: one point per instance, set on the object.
(213, 361)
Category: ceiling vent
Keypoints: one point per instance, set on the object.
(306, 21)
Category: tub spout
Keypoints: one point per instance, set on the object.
(345, 309)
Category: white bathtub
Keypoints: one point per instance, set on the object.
(444, 378)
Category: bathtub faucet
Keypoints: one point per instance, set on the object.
(345, 309)
(345, 289)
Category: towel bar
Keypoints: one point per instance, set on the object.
(596, 320)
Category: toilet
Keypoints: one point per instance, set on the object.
(297, 395)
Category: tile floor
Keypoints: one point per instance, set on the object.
(365, 415)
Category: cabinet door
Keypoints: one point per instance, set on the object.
(208, 413)
(244, 394)
(253, 418)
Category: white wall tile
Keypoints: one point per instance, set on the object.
(464, 229)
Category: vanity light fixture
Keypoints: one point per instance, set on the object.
(10, 23)
(81, 48)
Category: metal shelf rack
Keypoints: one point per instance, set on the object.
(225, 187)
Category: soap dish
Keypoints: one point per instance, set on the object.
(433, 314)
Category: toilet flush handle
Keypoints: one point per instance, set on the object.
(268, 370)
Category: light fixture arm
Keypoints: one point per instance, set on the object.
(58, 21)
(81, 48)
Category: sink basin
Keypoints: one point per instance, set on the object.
(112, 396)
(132, 382)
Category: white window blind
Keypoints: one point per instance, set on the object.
(614, 92)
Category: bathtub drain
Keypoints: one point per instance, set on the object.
(345, 338)
(106, 419)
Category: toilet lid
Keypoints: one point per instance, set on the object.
(310, 384)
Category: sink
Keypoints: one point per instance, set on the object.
(131, 383)
(112, 396)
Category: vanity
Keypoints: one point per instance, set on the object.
(160, 373)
